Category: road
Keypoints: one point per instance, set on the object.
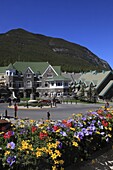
(62, 111)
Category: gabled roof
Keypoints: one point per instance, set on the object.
(72, 76)
(10, 66)
(58, 78)
(50, 68)
(3, 69)
(95, 77)
(104, 91)
(57, 69)
(35, 66)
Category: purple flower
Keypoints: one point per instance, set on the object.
(23, 131)
(92, 128)
(60, 145)
(11, 145)
(80, 124)
(102, 133)
(101, 127)
(63, 133)
(83, 118)
(11, 160)
(107, 139)
(93, 121)
(79, 135)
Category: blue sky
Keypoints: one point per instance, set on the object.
(85, 22)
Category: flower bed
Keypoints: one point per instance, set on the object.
(55, 145)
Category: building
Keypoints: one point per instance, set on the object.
(42, 79)
(96, 84)
(39, 78)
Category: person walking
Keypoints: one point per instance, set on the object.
(106, 105)
(48, 115)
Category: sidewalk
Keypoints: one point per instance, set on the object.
(31, 107)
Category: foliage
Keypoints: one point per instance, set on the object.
(20, 45)
(55, 144)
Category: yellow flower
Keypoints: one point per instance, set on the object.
(97, 132)
(61, 161)
(7, 153)
(58, 153)
(54, 168)
(84, 123)
(49, 151)
(52, 145)
(1, 133)
(38, 154)
(79, 115)
(32, 121)
(24, 144)
(27, 152)
(73, 129)
(62, 168)
(22, 126)
(93, 161)
(75, 144)
(54, 156)
(110, 128)
(30, 147)
(56, 162)
(57, 130)
(110, 135)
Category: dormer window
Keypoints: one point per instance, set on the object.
(28, 75)
(49, 75)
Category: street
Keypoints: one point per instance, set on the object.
(62, 111)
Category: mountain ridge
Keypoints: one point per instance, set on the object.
(21, 45)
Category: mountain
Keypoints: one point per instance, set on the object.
(21, 45)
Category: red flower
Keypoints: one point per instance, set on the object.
(100, 111)
(55, 128)
(109, 116)
(69, 124)
(105, 123)
(33, 129)
(64, 121)
(42, 135)
(8, 134)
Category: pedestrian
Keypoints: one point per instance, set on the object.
(27, 104)
(15, 110)
(106, 105)
(48, 115)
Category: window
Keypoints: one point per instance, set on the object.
(28, 75)
(29, 83)
(59, 83)
(38, 84)
(52, 83)
(49, 75)
(46, 84)
(65, 83)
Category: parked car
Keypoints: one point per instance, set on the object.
(56, 100)
(44, 102)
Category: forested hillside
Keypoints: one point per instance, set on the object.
(21, 45)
